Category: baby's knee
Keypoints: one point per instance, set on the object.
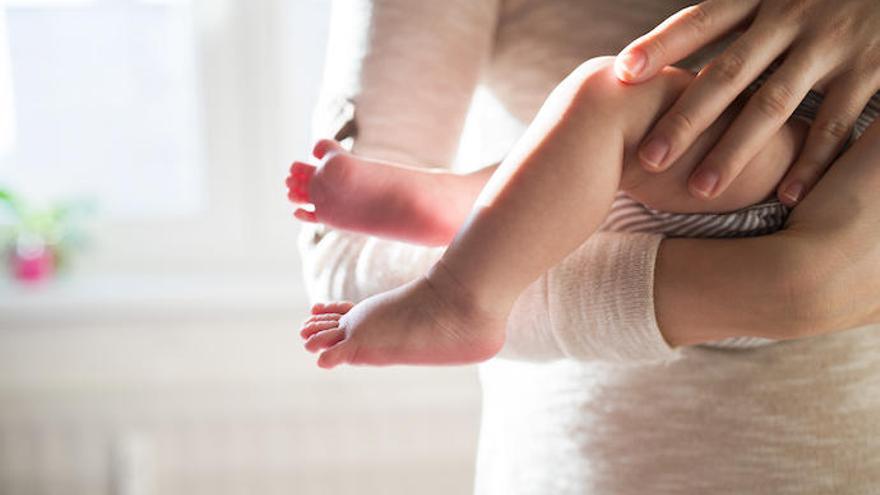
(595, 71)
(592, 87)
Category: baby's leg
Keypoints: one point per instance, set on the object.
(416, 205)
(544, 200)
(428, 206)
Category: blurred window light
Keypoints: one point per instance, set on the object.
(43, 3)
(106, 105)
(7, 130)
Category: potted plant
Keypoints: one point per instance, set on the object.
(38, 241)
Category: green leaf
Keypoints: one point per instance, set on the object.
(11, 205)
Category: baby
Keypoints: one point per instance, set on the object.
(505, 225)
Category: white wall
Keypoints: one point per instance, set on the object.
(220, 401)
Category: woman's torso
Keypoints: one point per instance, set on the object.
(792, 418)
(538, 42)
(797, 417)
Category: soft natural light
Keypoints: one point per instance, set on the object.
(151, 345)
(105, 106)
(7, 115)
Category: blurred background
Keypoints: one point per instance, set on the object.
(150, 287)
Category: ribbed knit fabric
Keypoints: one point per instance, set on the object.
(617, 307)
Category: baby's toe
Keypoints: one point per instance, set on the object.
(340, 307)
(317, 326)
(322, 317)
(340, 353)
(325, 339)
(298, 182)
(323, 146)
(305, 215)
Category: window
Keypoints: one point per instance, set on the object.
(178, 117)
(106, 108)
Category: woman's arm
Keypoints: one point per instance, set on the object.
(711, 289)
(820, 274)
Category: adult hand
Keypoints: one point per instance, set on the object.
(820, 274)
(828, 44)
(836, 232)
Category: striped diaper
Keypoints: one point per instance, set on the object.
(628, 215)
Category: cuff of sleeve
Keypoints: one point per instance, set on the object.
(341, 265)
(611, 317)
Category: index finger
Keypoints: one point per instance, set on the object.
(712, 91)
(679, 36)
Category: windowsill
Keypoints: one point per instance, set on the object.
(143, 298)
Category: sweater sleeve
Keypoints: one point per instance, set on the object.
(597, 305)
(399, 81)
(400, 75)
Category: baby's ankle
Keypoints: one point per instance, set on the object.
(469, 302)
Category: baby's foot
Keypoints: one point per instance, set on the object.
(422, 322)
(378, 198)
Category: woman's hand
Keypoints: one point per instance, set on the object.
(819, 275)
(836, 231)
(828, 44)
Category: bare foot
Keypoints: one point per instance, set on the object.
(420, 206)
(428, 321)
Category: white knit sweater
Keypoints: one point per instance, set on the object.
(627, 414)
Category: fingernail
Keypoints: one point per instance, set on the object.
(794, 192)
(654, 151)
(704, 182)
(634, 62)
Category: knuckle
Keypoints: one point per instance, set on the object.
(835, 128)
(697, 17)
(678, 125)
(592, 83)
(729, 66)
(774, 100)
(588, 73)
(590, 66)
(657, 48)
(792, 10)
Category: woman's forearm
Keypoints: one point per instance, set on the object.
(404, 73)
(821, 274)
(711, 289)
